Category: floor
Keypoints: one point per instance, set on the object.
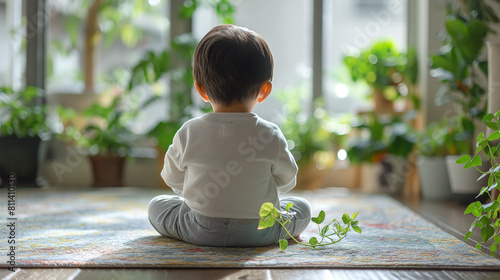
(447, 215)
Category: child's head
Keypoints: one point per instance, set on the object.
(232, 63)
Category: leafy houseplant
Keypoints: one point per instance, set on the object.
(487, 215)
(383, 137)
(436, 141)
(461, 67)
(459, 63)
(384, 70)
(23, 126)
(309, 138)
(329, 234)
(382, 144)
(105, 135)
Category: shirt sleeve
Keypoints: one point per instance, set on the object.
(173, 170)
(285, 169)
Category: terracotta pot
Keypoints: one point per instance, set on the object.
(107, 170)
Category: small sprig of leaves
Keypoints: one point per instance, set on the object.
(487, 215)
(331, 233)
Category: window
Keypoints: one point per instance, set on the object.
(351, 26)
(11, 37)
(128, 29)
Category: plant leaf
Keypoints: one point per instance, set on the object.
(494, 136)
(313, 241)
(356, 229)
(470, 208)
(283, 244)
(266, 222)
(266, 209)
(324, 230)
(346, 219)
(487, 232)
(467, 235)
(487, 118)
(476, 161)
(463, 159)
(288, 206)
(354, 215)
(321, 217)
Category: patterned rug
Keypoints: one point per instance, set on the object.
(109, 228)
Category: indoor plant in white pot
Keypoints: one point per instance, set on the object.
(461, 67)
(433, 144)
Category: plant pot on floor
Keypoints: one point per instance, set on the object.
(21, 156)
(463, 182)
(108, 170)
(386, 176)
(434, 180)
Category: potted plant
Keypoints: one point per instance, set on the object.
(487, 218)
(381, 148)
(23, 127)
(459, 66)
(434, 143)
(105, 136)
(383, 68)
(309, 139)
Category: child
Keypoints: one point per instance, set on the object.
(228, 163)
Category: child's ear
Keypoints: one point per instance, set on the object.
(264, 91)
(201, 91)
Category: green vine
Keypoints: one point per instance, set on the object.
(329, 234)
(487, 215)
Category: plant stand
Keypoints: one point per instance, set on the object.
(108, 170)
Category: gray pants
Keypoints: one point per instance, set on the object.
(171, 217)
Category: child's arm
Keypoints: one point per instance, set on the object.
(285, 169)
(173, 172)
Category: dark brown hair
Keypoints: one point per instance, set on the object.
(232, 63)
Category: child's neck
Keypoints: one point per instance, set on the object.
(236, 107)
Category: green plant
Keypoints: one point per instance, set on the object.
(487, 215)
(106, 123)
(459, 63)
(22, 114)
(105, 134)
(446, 137)
(329, 234)
(383, 68)
(378, 138)
(308, 133)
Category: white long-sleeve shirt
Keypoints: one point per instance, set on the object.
(229, 164)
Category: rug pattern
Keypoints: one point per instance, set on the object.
(109, 228)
